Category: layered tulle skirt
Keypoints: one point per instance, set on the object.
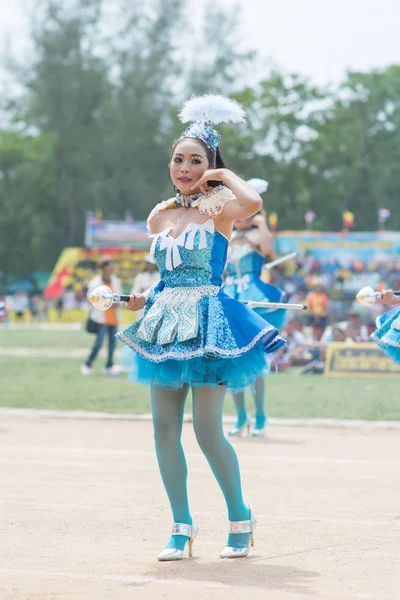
(387, 334)
(232, 346)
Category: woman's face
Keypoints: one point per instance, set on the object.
(188, 163)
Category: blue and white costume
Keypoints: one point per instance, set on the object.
(192, 331)
(387, 334)
(243, 281)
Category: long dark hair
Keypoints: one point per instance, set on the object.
(215, 161)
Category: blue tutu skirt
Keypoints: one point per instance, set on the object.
(233, 347)
(387, 334)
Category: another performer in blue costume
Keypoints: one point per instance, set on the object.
(387, 334)
(251, 243)
(193, 335)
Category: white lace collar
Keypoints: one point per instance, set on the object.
(211, 204)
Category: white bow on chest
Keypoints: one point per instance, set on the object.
(185, 239)
(171, 245)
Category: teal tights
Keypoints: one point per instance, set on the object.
(259, 401)
(168, 407)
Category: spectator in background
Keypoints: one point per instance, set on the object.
(44, 308)
(20, 304)
(293, 354)
(69, 298)
(107, 320)
(34, 305)
(60, 307)
(3, 311)
(318, 307)
(361, 330)
(145, 280)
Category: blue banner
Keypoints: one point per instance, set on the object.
(340, 248)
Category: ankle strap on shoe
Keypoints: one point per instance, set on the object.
(182, 529)
(240, 527)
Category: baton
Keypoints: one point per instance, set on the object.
(367, 296)
(279, 260)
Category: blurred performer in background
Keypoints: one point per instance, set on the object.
(107, 321)
(250, 245)
(145, 280)
(387, 334)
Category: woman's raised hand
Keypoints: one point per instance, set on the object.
(209, 175)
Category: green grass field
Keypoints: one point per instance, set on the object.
(44, 338)
(56, 383)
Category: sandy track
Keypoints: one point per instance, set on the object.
(84, 515)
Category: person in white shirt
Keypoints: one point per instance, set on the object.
(107, 321)
(145, 280)
(20, 304)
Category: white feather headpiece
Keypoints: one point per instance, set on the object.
(212, 108)
(260, 185)
(204, 111)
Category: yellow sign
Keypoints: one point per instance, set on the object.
(359, 360)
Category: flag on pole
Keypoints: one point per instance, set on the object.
(273, 221)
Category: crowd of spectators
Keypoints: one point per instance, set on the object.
(327, 288)
(24, 307)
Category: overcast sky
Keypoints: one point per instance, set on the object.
(318, 38)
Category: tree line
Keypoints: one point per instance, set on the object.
(92, 128)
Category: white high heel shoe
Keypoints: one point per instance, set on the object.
(237, 431)
(259, 431)
(240, 527)
(190, 531)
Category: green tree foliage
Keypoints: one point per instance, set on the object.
(144, 71)
(26, 233)
(271, 143)
(324, 150)
(353, 161)
(103, 92)
(64, 96)
(94, 127)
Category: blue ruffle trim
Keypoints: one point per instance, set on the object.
(234, 373)
(386, 336)
(391, 351)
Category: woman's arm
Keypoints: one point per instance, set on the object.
(247, 202)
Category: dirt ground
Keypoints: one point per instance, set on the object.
(84, 515)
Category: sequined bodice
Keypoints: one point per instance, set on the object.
(196, 258)
(243, 260)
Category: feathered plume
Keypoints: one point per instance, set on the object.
(213, 109)
(260, 185)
